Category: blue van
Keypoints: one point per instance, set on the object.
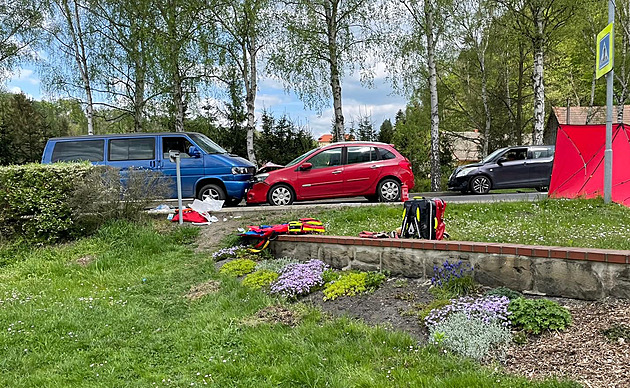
(207, 169)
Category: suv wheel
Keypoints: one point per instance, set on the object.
(480, 184)
(388, 190)
(211, 191)
(280, 195)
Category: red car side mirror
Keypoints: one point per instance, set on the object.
(306, 166)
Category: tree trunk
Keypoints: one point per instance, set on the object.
(539, 83)
(250, 74)
(178, 101)
(435, 117)
(484, 99)
(138, 103)
(335, 82)
(589, 114)
(519, 95)
(81, 58)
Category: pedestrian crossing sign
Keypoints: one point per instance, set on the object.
(605, 51)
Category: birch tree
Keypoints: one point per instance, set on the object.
(418, 27)
(71, 31)
(244, 30)
(128, 56)
(473, 19)
(19, 25)
(322, 40)
(538, 21)
(182, 30)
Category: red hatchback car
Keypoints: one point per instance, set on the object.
(374, 170)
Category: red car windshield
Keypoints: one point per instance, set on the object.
(300, 158)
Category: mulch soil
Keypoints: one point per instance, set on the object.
(581, 353)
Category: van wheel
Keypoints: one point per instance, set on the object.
(280, 195)
(388, 190)
(211, 191)
(480, 184)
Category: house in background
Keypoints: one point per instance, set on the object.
(327, 139)
(465, 146)
(580, 115)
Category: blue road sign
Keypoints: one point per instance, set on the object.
(605, 51)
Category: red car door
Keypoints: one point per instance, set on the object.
(324, 178)
(361, 171)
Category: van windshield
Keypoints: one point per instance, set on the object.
(207, 145)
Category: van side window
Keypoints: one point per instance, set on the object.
(175, 143)
(68, 151)
(132, 149)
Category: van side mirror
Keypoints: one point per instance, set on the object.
(194, 152)
(306, 166)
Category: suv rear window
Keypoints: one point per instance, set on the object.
(132, 149)
(70, 151)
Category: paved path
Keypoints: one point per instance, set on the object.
(449, 197)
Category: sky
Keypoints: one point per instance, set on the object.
(379, 102)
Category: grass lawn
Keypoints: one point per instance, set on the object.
(571, 223)
(122, 320)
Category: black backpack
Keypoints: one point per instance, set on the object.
(423, 218)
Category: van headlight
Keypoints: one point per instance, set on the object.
(239, 170)
(260, 178)
(466, 171)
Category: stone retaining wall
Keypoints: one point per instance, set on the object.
(554, 271)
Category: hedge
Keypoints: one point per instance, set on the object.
(35, 200)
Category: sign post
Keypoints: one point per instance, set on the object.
(175, 157)
(604, 65)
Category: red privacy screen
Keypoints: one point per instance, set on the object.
(578, 168)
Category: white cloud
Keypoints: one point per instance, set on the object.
(15, 90)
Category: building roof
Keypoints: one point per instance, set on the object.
(328, 138)
(578, 115)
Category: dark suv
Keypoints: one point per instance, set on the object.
(506, 168)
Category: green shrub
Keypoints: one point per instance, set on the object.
(373, 280)
(455, 288)
(504, 291)
(471, 337)
(46, 203)
(260, 279)
(101, 196)
(353, 283)
(536, 315)
(35, 201)
(238, 267)
(330, 275)
(617, 331)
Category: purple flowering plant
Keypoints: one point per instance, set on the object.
(299, 278)
(488, 309)
(450, 271)
(227, 253)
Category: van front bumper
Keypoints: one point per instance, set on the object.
(236, 189)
